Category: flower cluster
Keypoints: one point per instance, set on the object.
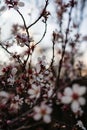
(16, 103)
(35, 84)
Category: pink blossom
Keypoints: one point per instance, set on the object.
(43, 112)
(74, 96)
(4, 97)
(34, 92)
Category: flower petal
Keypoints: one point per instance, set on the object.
(47, 119)
(4, 94)
(31, 91)
(32, 96)
(34, 86)
(81, 101)
(37, 116)
(82, 90)
(37, 109)
(68, 91)
(75, 88)
(48, 110)
(66, 99)
(38, 68)
(75, 106)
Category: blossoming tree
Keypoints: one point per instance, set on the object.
(43, 96)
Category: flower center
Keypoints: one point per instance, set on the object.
(75, 96)
(36, 92)
(43, 111)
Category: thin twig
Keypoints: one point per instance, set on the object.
(52, 61)
(63, 51)
(24, 26)
(29, 126)
(28, 45)
(41, 15)
(39, 40)
(43, 34)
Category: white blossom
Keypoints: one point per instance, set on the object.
(11, 80)
(14, 71)
(80, 124)
(41, 61)
(18, 99)
(74, 96)
(43, 112)
(34, 92)
(16, 103)
(14, 106)
(4, 97)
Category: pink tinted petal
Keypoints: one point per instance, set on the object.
(49, 110)
(75, 106)
(34, 86)
(66, 99)
(82, 101)
(3, 101)
(68, 91)
(17, 97)
(31, 91)
(82, 90)
(32, 96)
(76, 88)
(38, 68)
(37, 96)
(47, 119)
(14, 71)
(4, 94)
(37, 116)
(37, 109)
(50, 92)
(59, 95)
(43, 106)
